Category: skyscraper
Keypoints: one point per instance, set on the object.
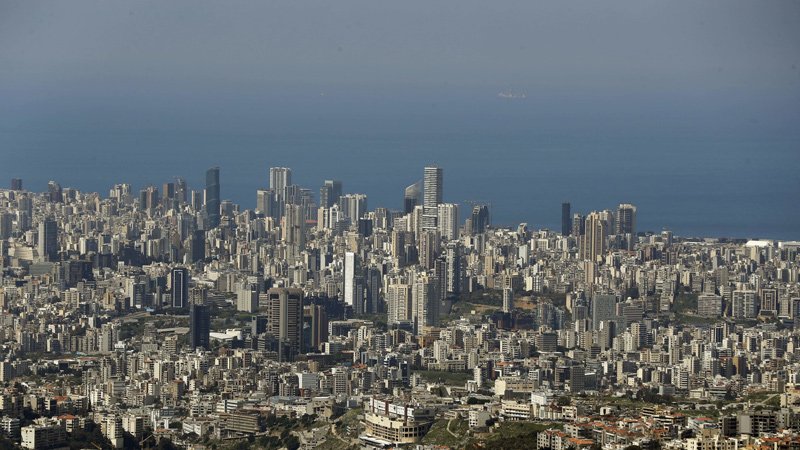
(199, 319)
(432, 196)
(447, 221)
(16, 184)
(265, 203)
(578, 225)
(6, 225)
(198, 245)
(398, 303)
(285, 320)
(593, 242)
(279, 179)
(329, 193)
(508, 300)
(428, 247)
(604, 309)
(181, 190)
(294, 230)
(566, 219)
(480, 219)
(212, 197)
(454, 276)
(179, 285)
(373, 281)
(412, 196)
(353, 283)
(425, 302)
(48, 240)
(626, 219)
(196, 199)
(318, 324)
(55, 193)
(168, 192)
(354, 206)
(148, 199)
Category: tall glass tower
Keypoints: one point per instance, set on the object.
(212, 197)
(412, 196)
(566, 219)
(330, 193)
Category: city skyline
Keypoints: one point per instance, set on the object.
(212, 178)
(141, 296)
(360, 225)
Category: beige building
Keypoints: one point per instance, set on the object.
(50, 437)
(399, 424)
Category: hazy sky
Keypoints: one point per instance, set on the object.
(522, 44)
(198, 64)
(704, 93)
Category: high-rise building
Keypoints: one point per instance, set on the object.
(428, 248)
(318, 324)
(373, 282)
(198, 245)
(353, 283)
(16, 184)
(137, 292)
(425, 302)
(745, 304)
(228, 208)
(6, 225)
(266, 204)
(212, 197)
(432, 196)
(454, 276)
(626, 219)
(566, 219)
(447, 221)
(593, 242)
(329, 193)
(196, 199)
(179, 286)
(480, 219)
(604, 309)
(769, 301)
(168, 191)
(121, 193)
(508, 300)
(279, 179)
(296, 195)
(181, 190)
(354, 206)
(48, 239)
(398, 303)
(412, 196)
(247, 297)
(148, 199)
(169, 197)
(55, 193)
(578, 225)
(294, 225)
(285, 320)
(199, 319)
(709, 305)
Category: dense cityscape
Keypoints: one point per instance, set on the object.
(171, 318)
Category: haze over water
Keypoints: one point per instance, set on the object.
(698, 129)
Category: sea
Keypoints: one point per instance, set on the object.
(716, 172)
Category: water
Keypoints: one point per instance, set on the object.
(728, 177)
